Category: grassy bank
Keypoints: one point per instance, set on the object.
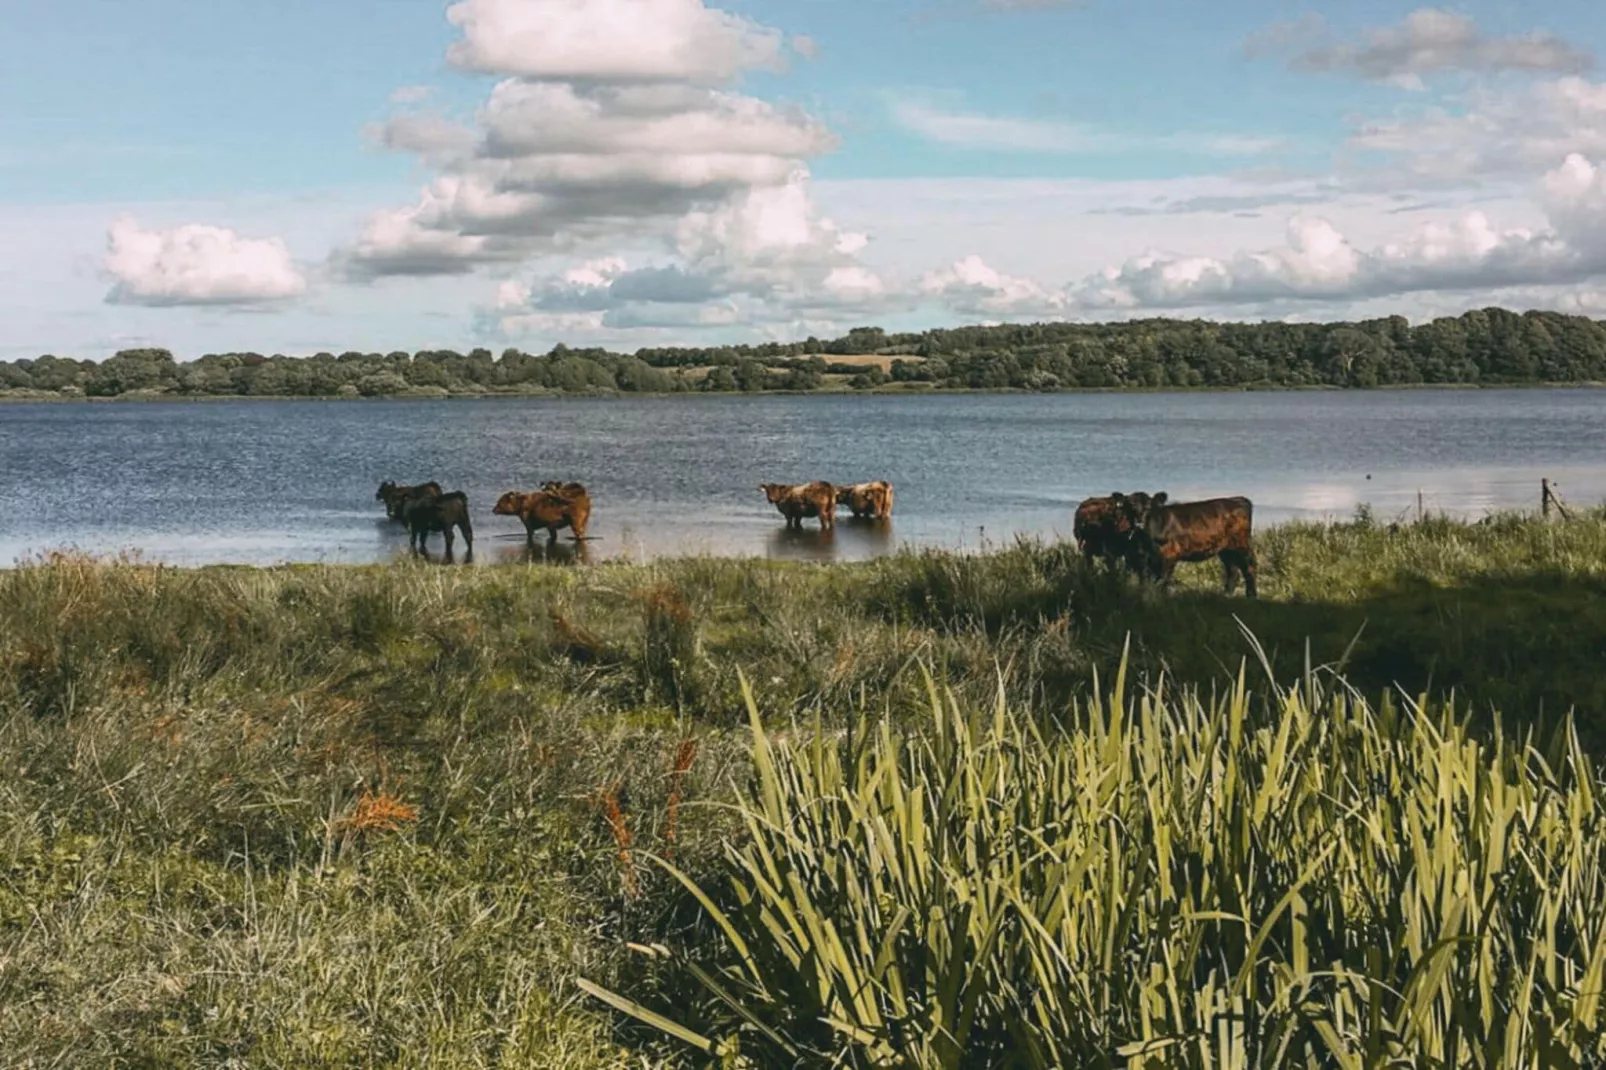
(335, 816)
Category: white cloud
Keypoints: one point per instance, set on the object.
(1429, 41)
(970, 286)
(768, 255)
(974, 130)
(411, 94)
(1318, 262)
(435, 140)
(1495, 134)
(720, 135)
(610, 130)
(197, 265)
(610, 40)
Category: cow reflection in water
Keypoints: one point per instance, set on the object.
(802, 544)
(873, 536)
(545, 553)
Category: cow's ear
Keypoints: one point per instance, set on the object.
(1161, 498)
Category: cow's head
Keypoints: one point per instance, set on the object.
(774, 491)
(386, 491)
(844, 495)
(508, 504)
(1133, 512)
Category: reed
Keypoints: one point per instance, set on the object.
(1289, 876)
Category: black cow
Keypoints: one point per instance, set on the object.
(396, 496)
(441, 513)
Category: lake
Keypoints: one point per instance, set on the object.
(274, 481)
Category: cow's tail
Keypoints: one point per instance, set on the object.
(888, 506)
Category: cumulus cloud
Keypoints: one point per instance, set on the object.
(1494, 134)
(1429, 41)
(611, 124)
(975, 130)
(768, 254)
(435, 140)
(972, 287)
(1318, 262)
(610, 40)
(411, 94)
(197, 265)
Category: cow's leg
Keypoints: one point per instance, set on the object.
(529, 534)
(1249, 573)
(446, 533)
(1168, 572)
(467, 529)
(1229, 571)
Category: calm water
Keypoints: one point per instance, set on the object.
(267, 481)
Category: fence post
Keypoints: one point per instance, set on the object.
(1544, 498)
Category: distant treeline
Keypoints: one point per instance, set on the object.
(1489, 346)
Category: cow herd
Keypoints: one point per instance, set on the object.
(1148, 533)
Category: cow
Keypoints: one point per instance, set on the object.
(554, 506)
(867, 500)
(396, 496)
(439, 513)
(817, 499)
(1103, 529)
(1167, 533)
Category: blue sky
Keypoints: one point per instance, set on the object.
(216, 176)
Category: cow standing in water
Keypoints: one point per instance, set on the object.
(442, 514)
(554, 506)
(397, 496)
(871, 501)
(1168, 533)
(817, 499)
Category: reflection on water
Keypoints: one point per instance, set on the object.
(267, 481)
(802, 544)
(564, 552)
(851, 540)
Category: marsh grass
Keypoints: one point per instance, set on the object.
(326, 816)
(1294, 877)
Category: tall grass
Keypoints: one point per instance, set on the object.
(1295, 877)
(334, 816)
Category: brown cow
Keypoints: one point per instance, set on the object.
(1102, 527)
(439, 513)
(397, 496)
(554, 506)
(867, 500)
(817, 499)
(1168, 532)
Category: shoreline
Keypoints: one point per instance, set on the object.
(1293, 527)
(617, 395)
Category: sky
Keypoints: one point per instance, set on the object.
(410, 174)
